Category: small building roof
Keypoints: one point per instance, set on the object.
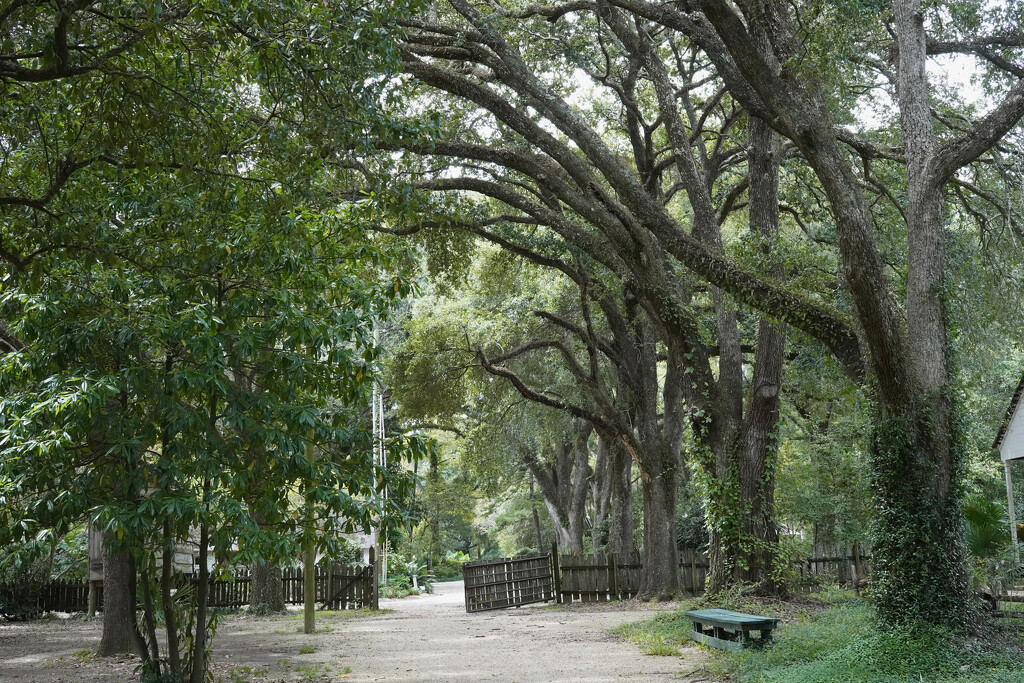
(1012, 426)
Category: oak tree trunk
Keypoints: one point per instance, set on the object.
(757, 465)
(620, 503)
(564, 483)
(660, 578)
(536, 517)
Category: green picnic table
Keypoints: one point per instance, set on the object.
(728, 630)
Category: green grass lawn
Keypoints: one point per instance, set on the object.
(836, 640)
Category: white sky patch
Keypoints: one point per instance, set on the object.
(957, 73)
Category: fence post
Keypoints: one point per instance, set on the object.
(857, 571)
(693, 570)
(375, 590)
(613, 565)
(556, 574)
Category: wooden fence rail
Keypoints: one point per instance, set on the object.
(346, 587)
(602, 577)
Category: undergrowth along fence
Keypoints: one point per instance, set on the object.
(835, 563)
(343, 587)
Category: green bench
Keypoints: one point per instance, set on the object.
(729, 630)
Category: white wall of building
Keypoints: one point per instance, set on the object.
(1012, 447)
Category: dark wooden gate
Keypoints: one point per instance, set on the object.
(350, 586)
(507, 582)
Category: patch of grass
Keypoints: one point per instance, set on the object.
(310, 672)
(808, 638)
(320, 628)
(85, 656)
(307, 650)
(661, 635)
(832, 636)
(245, 674)
(842, 643)
(283, 663)
(320, 614)
(345, 670)
(342, 614)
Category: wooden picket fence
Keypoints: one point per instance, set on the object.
(507, 582)
(693, 570)
(346, 587)
(351, 587)
(841, 564)
(233, 592)
(600, 577)
(603, 577)
(56, 596)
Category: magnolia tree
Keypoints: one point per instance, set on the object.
(186, 312)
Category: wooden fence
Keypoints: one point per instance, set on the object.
(835, 563)
(507, 582)
(603, 577)
(600, 577)
(351, 587)
(56, 596)
(346, 587)
(693, 570)
(233, 592)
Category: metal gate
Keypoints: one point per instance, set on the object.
(506, 582)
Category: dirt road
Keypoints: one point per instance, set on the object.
(432, 638)
(423, 638)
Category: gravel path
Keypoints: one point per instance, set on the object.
(421, 638)
(432, 638)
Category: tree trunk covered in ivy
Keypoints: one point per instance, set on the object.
(917, 456)
(917, 461)
(757, 466)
